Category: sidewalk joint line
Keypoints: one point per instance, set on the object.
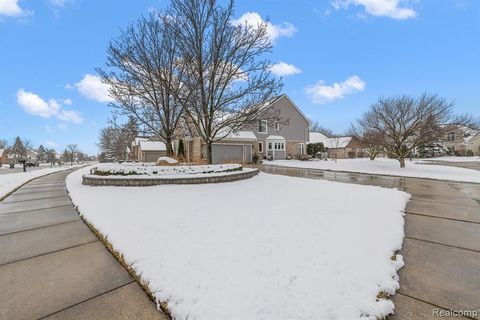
(443, 244)
(437, 217)
(91, 298)
(50, 225)
(47, 253)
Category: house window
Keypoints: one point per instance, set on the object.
(270, 146)
(279, 145)
(262, 126)
(260, 147)
(451, 136)
(277, 126)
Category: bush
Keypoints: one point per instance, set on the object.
(304, 157)
(313, 148)
(469, 153)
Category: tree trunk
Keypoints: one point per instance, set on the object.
(168, 143)
(209, 153)
(373, 154)
(402, 162)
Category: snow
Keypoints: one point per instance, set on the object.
(275, 138)
(163, 171)
(449, 159)
(255, 249)
(336, 142)
(385, 166)
(11, 181)
(168, 160)
(152, 146)
(241, 135)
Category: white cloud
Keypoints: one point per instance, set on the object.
(35, 105)
(93, 88)
(10, 8)
(283, 69)
(387, 8)
(67, 102)
(70, 115)
(50, 144)
(284, 29)
(322, 93)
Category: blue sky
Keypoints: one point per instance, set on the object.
(337, 57)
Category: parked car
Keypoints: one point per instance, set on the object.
(32, 163)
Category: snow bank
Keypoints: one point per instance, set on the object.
(167, 160)
(271, 247)
(129, 170)
(386, 167)
(11, 181)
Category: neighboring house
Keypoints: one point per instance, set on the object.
(339, 147)
(31, 154)
(150, 151)
(462, 140)
(264, 137)
(3, 156)
(134, 154)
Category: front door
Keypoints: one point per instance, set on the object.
(270, 152)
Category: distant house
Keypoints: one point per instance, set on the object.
(150, 151)
(463, 140)
(341, 147)
(134, 154)
(3, 156)
(263, 137)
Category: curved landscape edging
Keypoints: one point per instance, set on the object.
(128, 181)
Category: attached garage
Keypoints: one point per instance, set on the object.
(224, 153)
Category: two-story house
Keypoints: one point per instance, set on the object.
(463, 140)
(279, 137)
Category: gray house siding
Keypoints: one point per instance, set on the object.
(295, 129)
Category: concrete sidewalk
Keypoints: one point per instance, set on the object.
(53, 267)
(441, 248)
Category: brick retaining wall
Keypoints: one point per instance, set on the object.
(126, 181)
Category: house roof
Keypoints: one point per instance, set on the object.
(152, 146)
(275, 138)
(138, 139)
(334, 142)
(284, 95)
(241, 135)
(1, 152)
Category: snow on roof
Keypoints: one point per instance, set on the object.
(138, 139)
(1, 151)
(241, 135)
(275, 138)
(152, 146)
(335, 142)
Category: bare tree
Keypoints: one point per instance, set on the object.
(143, 71)
(402, 123)
(227, 82)
(316, 127)
(371, 141)
(3, 144)
(71, 150)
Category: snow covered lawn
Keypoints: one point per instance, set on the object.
(386, 167)
(11, 181)
(270, 247)
(450, 159)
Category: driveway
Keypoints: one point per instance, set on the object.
(441, 248)
(53, 267)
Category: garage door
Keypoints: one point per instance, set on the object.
(223, 153)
